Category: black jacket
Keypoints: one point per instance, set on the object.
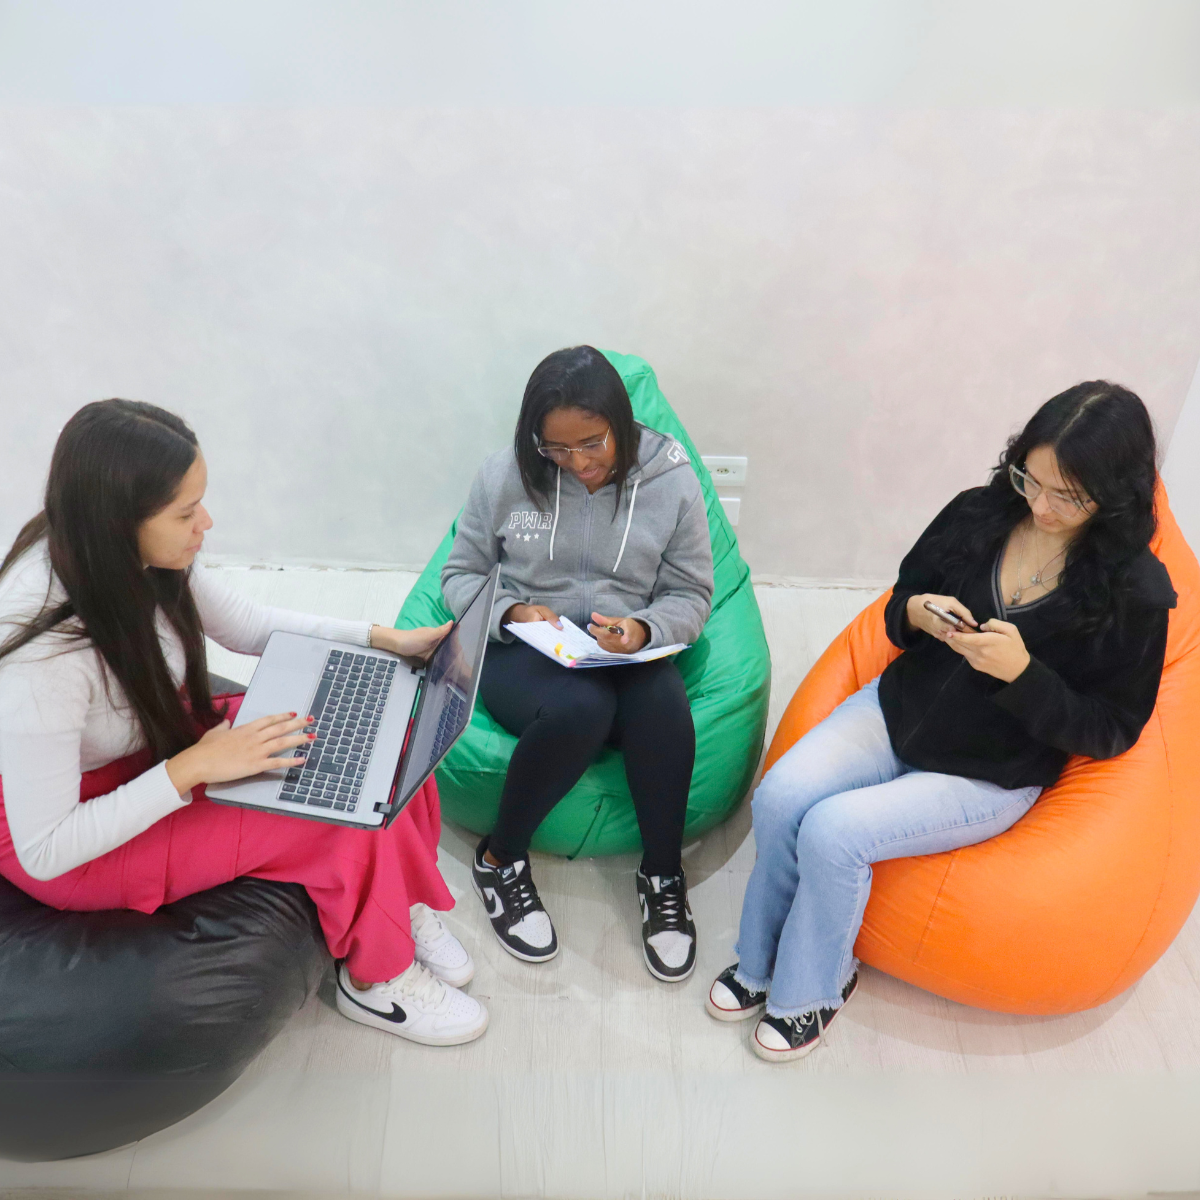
(1088, 695)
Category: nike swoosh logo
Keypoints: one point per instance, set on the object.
(397, 1015)
(645, 911)
(495, 904)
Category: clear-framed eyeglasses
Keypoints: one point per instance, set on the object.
(1062, 503)
(562, 454)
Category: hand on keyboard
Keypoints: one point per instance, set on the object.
(224, 754)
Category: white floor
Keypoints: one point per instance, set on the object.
(595, 1081)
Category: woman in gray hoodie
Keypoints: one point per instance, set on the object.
(597, 518)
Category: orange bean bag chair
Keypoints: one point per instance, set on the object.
(1080, 898)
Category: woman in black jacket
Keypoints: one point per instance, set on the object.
(1051, 644)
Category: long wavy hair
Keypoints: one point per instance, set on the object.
(578, 377)
(117, 463)
(1103, 439)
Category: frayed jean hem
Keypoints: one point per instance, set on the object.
(774, 1010)
(753, 985)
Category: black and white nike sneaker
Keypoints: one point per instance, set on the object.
(728, 1000)
(415, 1005)
(782, 1039)
(668, 932)
(514, 908)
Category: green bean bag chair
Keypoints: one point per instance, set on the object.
(727, 673)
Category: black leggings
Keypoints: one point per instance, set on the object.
(564, 717)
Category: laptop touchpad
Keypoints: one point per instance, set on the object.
(278, 691)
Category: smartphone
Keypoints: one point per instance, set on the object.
(950, 618)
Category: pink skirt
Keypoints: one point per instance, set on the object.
(361, 881)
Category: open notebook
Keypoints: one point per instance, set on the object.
(574, 647)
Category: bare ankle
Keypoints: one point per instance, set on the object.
(491, 859)
(358, 984)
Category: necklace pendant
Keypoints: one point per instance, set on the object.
(1035, 579)
(1015, 598)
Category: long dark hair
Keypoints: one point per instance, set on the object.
(578, 377)
(116, 463)
(1103, 439)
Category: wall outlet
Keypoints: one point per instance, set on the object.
(732, 506)
(726, 470)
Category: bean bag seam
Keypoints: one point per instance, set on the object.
(1166, 872)
(933, 908)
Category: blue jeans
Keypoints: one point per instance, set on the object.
(838, 801)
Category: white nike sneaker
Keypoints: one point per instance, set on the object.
(414, 1005)
(438, 950)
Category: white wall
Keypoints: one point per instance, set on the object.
(865, 298)
(1181, 472)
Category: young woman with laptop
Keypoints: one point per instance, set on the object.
(108, 731)
(1033, 617)
(601, 520)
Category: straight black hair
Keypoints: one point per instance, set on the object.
(117, 463)
(578, 377)
(1103, 439)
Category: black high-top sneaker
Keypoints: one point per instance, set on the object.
(668, 932)
(514, 908)
(728, 1000)
(781, 1039)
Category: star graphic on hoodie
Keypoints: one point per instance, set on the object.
(527, 537)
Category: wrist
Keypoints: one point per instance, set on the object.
(183, 770)
(910, 613)
(1021, 669)
(383, 638)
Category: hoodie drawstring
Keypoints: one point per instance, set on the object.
(628, 522)
(554, 527)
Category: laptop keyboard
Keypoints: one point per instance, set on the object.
(347, 709)
(453, 711)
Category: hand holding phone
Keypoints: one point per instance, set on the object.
(940, 616)
(950, 618)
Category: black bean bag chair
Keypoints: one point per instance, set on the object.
(116, 1024)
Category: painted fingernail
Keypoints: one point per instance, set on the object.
(311, 720)
(312, 737)
(293, 714)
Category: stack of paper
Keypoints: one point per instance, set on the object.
(574, 647)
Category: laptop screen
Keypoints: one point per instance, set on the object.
(447, 693)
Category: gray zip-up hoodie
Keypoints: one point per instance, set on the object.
(652, 559)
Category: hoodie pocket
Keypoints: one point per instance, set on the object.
(613, 602)
(564, 603)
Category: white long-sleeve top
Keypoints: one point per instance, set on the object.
(56, 719)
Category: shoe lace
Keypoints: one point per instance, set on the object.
(418, 983)
(802, 1022)
(518, 890)
(427, 924)
(668, 905)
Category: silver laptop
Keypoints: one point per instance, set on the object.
(381, 726)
